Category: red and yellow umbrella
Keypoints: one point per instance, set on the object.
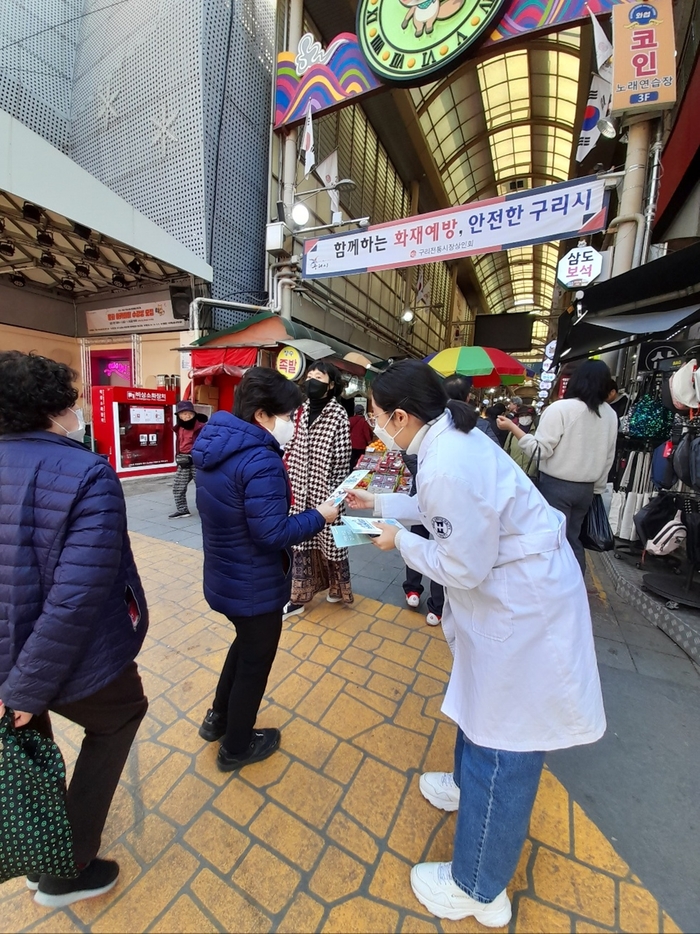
(487, 366)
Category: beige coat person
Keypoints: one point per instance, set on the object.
(525, 675)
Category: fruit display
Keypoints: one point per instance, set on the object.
(387, 472)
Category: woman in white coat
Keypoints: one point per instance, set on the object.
(525, 678)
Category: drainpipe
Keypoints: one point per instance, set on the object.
(632, 197)
(638, 249)
(654, 186)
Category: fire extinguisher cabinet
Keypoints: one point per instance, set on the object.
(133, 428)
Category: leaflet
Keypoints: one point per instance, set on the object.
(349, 483)
(358, 531)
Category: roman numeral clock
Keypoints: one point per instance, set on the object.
(412, 41)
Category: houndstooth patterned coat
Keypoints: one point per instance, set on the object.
(318, 460)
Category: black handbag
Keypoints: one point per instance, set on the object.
(35, 833)
(596, 534)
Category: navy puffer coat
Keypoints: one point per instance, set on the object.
(243, 498)
(72, 609)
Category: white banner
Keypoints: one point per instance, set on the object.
(554, 212)
(152, 316)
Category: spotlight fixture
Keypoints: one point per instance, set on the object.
(345, 184)
(31, 212)
(134, 266)
(7, 248)
(407, 316)
(82, 270)
(119, 280)
(607, 127)
(48, 260)
(81, 231)
(18, 279)
(67, 284)
(44, 237)
(90, 251)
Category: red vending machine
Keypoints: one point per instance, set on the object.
(133, 428)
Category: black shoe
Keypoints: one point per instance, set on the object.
(180, 515)
(262, 745)
(33, 881)
(213, 726)
(98, 877)
(293, 609)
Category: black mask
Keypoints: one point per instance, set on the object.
(189, 424)
(316, 389)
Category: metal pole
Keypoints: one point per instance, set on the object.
(289, 167)
(654, 185)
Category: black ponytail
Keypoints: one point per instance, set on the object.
(464, 416)
(417, 389)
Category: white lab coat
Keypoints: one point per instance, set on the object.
(516, 613)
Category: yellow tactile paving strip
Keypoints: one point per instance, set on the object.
(321, 836)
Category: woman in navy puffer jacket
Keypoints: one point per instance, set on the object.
(243, 498)
(72, 610)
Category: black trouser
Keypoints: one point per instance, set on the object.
(574, 500)
(110, 718)
(414, 580)
(244, 676)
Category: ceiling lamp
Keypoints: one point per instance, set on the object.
(31, 212)
(48, 260)
(7, 248)
(82, 270)
(407, 316)
(90, 251)
(81, 231)
(119, 280)
(18, 279)
(134, 266)
(44, 237)
(67, 284)
(345, 184)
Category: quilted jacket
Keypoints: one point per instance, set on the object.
(72, 610)
(243, 498)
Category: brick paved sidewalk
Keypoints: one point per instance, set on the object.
(321, 836)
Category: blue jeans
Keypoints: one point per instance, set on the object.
(498, 791)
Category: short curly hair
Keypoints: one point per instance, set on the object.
(32, 390)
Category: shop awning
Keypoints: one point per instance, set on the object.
(667, 282)
(596, 335)
(232, 361)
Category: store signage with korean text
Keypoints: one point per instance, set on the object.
(644, 57)
(153, 316)
(290, 363)
(581, 266)
(554, 212)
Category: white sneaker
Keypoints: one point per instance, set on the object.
(440, 789)
(413, 600)
(330, 599)
(434, 887)
(432, 619)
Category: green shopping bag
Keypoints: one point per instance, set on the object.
(35, 835)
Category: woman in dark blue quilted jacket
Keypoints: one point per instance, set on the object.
(72, 610)
(243, 498)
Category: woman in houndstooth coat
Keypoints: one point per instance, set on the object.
(318, 460)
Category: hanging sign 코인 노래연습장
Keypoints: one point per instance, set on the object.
(553, 212)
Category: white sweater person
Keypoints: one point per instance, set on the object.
(575, 443)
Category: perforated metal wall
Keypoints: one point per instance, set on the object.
(36, 64)
(167, 102)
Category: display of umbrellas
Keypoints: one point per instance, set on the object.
(486, 366)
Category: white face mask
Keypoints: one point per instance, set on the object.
(525, 421)
(385, 437)
(77, 434)
(283, 431)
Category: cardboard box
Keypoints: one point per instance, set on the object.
(207, 395)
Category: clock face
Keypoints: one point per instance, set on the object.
(410, 41)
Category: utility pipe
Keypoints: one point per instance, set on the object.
(654, 185)
(637, 249)
(289, 166)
